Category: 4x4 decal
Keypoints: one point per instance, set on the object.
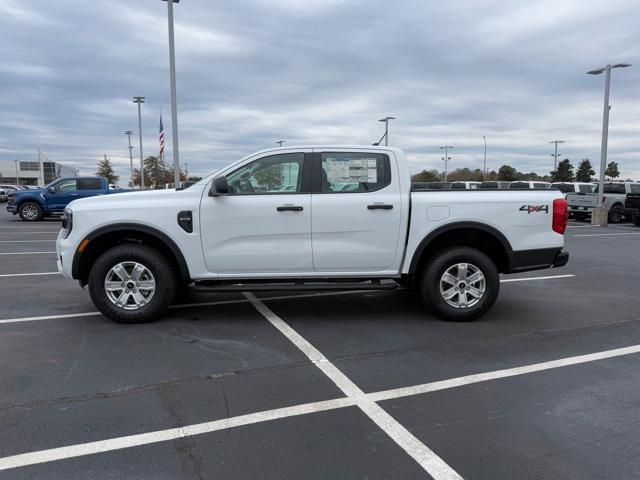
(534, 208)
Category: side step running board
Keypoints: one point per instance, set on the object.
(290, 285)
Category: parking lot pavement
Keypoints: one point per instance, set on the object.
(179, 398)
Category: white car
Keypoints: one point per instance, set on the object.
(349, 221)
(3, 195)
(574, 187)
(524, 185)
(465, 185)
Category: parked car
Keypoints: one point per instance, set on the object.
(3, 195)
(614, 196)
(524, 185)
(33, 205)
(573, 187)
(632, 207)
(237, 230)
(9, 188)
(465, 185)
(417, 186)
(494, 185)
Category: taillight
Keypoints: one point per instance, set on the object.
(604, 199)
(560, 215)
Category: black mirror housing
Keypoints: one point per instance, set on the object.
(219, 187)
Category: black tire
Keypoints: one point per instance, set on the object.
(636, 220)
(616, 214)
(30, 212)
(580, 216)
(162, 274)
(445, 260)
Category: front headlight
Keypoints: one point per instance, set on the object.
(67, 222)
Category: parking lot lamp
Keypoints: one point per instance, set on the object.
(605, 122)
(446, 159)
(555, 154)
(174, 107)
(128, 133)
(484, 165)
(280, 142)
(386, 128)
(139, 101)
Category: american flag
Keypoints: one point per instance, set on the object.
(161, 137)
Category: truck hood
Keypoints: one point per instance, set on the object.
(117, 199)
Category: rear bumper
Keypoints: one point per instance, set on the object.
(525, 260)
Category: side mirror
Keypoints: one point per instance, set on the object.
(52, 189)
(219, 187)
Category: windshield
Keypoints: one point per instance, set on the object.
(611, 188)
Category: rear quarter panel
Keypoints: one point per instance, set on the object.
(524, 217)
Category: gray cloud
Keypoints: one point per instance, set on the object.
(321, 71)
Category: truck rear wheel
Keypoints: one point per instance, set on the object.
(616, 214)
(636, 220)
(30, 212)
(460, 284)
(132, 283)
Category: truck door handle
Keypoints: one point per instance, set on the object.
(289, 208)
(379, 206)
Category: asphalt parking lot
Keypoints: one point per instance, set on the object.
(324, 386)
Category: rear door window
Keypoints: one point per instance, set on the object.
(458, 186)
(635, 188)
(89, 184)
(519, 186)
(540, 186)
(354, 172)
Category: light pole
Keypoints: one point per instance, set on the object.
(17, 178)
(174, 107)
(140, 100)
(605, 122)
(128, 133)
(280, 142)
(555, 154)
(386, 128)
(484, 165)
(446, 159)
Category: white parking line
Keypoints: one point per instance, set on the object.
(183, 305)
(508, 372)
(226, 302)
(426, 458)
(549, 277)
(28, 232)
(605, 234)
(27, 241)
(129, 441)
(28, 274)
(117, 443)
(25, 253)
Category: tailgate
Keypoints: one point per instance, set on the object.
(582, 200)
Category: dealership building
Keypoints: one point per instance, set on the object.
(19, 172)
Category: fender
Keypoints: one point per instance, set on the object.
(431, 236)
(136, 227)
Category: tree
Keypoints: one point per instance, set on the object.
(585, 170)
(194, 178)
(426, 176)
(105, 169)
(612, 170)
(156, 173)
(564, 173)
(507, 173)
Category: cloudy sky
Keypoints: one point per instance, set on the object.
(252, 72)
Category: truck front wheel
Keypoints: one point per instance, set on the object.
(132, 283)
(30, 212)
(460, 284)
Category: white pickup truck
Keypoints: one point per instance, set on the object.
(614, 196)
(311, 218)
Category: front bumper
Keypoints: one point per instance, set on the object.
(525, 260)
(11, 208)
(65, 249)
